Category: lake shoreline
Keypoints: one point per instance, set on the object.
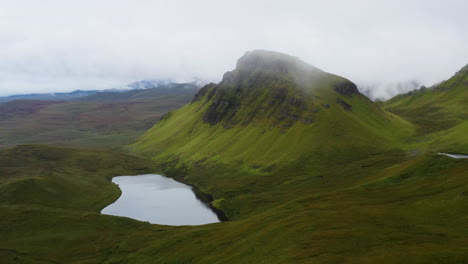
(204, 200)
(208, 198)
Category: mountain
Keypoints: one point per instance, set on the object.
(306, 169)
(310, 169)
(273, 108)
(439, 112)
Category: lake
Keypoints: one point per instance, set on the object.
(159, 200)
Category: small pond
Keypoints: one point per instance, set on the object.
(159, 200)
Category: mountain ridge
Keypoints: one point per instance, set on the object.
(440, 113)
(265, 106)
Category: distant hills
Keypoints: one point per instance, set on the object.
(92, 118)
(144, 84)
(141, 93)
(48, 96)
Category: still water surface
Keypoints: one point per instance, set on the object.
(455, 156)
(159, 200)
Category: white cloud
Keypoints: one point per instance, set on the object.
(56, 45)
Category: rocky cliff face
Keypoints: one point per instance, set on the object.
(272, 63)
(273, 86)
(271, 108)
(346, 88)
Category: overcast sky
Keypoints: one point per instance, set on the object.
(63, 45)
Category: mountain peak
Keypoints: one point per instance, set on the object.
(269, 101)
(273, 61)
(272, 86)
(259, 66)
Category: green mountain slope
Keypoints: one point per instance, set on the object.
(273, 109)
(440, 113)
(306, 168)
(310, 169)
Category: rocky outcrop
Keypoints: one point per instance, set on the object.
(344, 104)
(221, 109)
(346, 88)
(463, 70)
(165, 116)
(273, 62)
(269, 86)
(204, 91)
(307, 121)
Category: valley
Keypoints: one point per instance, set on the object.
(305, 167)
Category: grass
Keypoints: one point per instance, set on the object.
(439, 113)
(276, 134)
(63, 178)
(386, 208)
(359, 185)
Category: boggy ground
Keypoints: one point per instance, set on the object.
(387, 208)
(91, 124)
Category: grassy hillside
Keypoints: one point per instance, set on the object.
(306, 168)
(92, 124)
(271, 110)
(63, 178)
(273, 114)
(51, 195)
(440, 113)
(283, 140)
(385, 209)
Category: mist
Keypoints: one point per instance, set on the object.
(57, 46)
